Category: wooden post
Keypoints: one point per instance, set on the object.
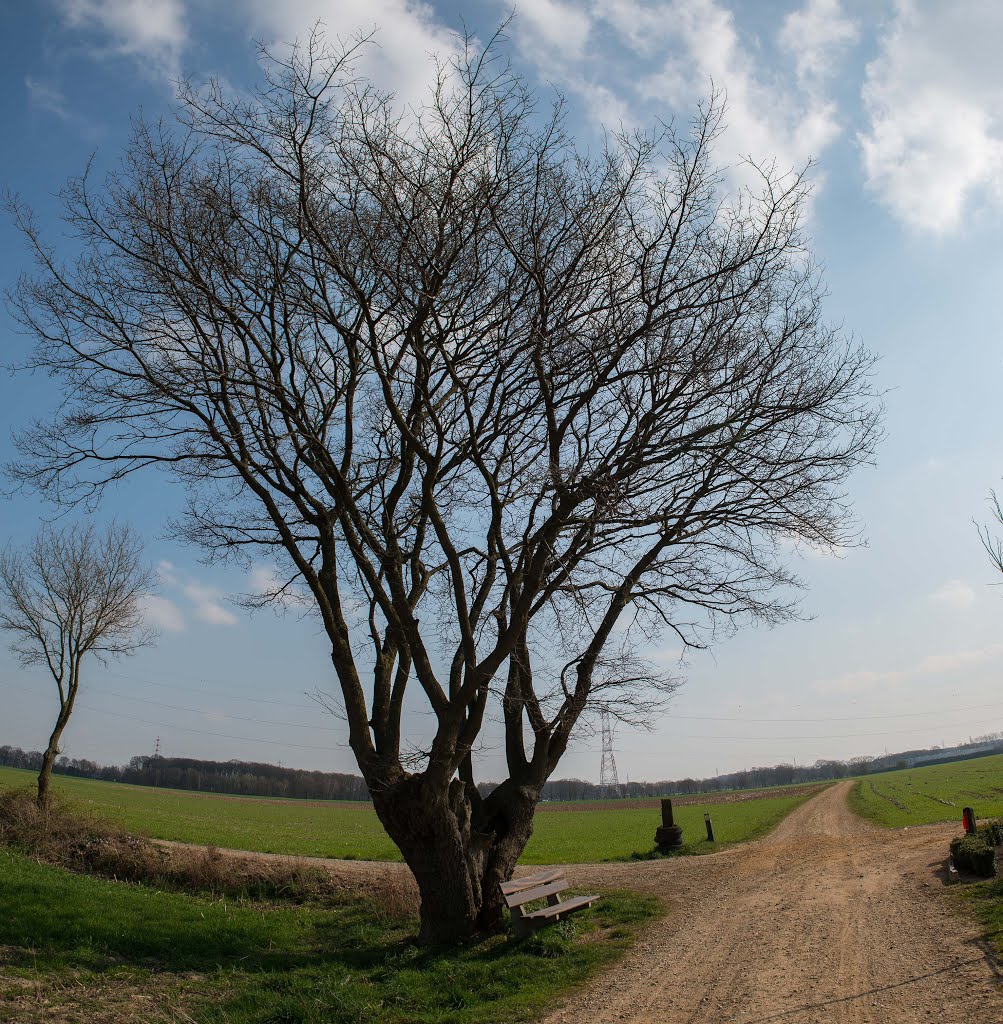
(710, 828)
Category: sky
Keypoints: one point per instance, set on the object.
(898, 106)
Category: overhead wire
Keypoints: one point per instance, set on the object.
(727, 737)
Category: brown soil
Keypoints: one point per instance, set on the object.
(827, 919)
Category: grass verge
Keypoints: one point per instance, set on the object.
(81, 841)
(986, 900)
(74, 947)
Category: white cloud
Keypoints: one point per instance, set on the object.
(954, 594)
(408, 33)
(931, 665)
(816, 36)
(649, 59)
(766, 118)
(207, 604)
(263, 580)
(546, 26)
(47, 97)
(162, 613)
(165, 570)
(153, 32)
(933, 95)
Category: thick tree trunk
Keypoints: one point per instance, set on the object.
(460, 849)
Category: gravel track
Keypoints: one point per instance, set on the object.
(827, 920)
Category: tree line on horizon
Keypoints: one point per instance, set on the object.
(252, 778)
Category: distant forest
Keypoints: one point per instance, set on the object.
(250, 778)
(245, 778)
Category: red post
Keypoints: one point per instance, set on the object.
(968, 817)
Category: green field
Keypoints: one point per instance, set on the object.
(80, 948)
(920, 796)
(351, 830)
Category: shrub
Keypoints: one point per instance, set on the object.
(975, 854)
(993, 831)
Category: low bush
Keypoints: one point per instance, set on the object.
(993, 831)
(975, 854)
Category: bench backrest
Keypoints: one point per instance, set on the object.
(533, 887)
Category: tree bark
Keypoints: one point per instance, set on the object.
(460, 849)
(50, 755)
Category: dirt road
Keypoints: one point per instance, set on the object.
(828, 919)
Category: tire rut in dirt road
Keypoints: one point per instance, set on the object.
(828, 919)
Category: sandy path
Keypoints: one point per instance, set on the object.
(827, 919)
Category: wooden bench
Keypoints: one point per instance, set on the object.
(542, 885)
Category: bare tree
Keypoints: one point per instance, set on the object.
(69, 594)
(990, 541)
(506, 410)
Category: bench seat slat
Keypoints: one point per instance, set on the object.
(530, 881)
(517, 899)
(559, 908)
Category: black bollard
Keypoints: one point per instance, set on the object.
(670, 835)
(667, 821)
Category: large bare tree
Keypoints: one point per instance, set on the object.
(71, 594)
(506, 410)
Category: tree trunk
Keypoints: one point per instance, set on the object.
(460, 849)
(50, 755)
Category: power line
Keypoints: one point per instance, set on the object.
(210, 693)
(188, 728)
(201, 711)
(204, 732)
(834, 718)
(670, 716)
(307, 746)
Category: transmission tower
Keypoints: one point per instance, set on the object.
(609, 783)
(156, 763)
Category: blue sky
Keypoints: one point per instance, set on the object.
(898, 105)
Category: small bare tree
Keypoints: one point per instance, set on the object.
(506, 410)
(69, 594)
(992, 542)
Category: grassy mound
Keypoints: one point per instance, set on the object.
(82, 841)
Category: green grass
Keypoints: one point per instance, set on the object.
(302, 827)
(568, 837)
(986, 900)
(77, 942)
(918, 796)
(352, 830)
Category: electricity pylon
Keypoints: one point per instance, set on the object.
(609, 782)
